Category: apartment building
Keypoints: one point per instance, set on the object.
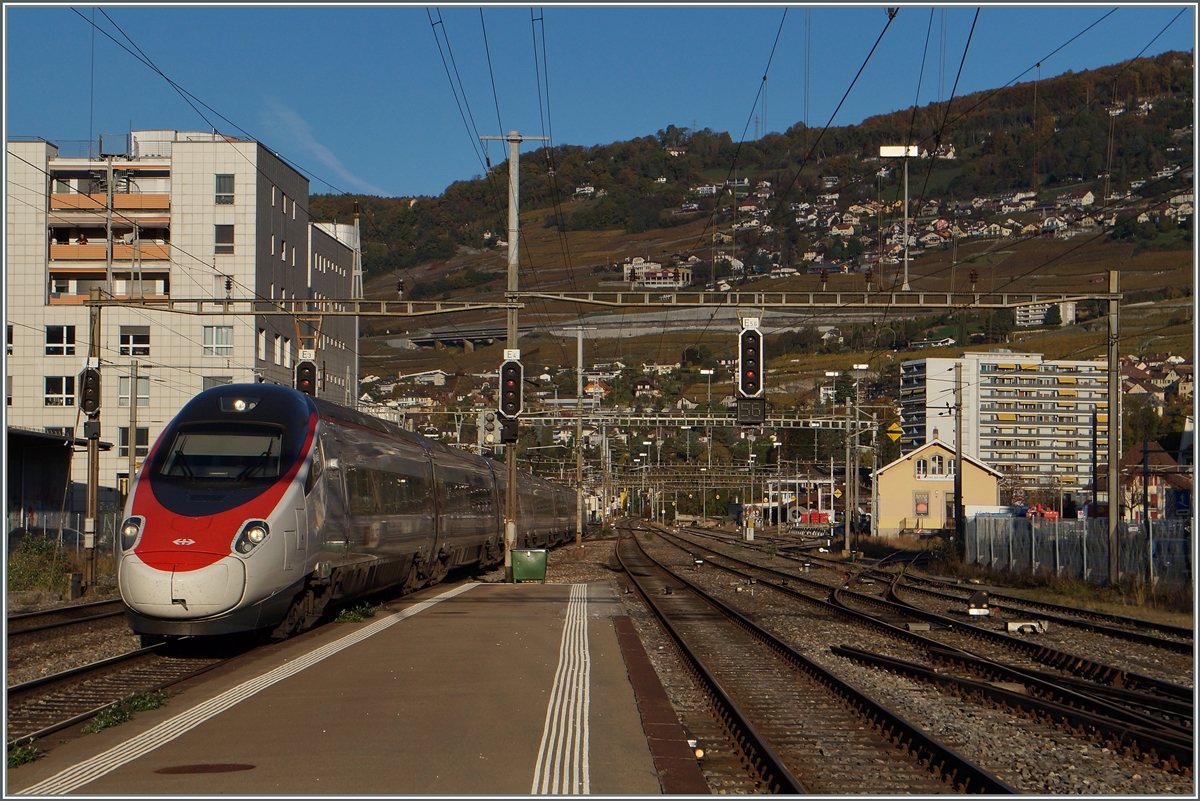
(1036, 313)
(1029, 418)
(161, 215)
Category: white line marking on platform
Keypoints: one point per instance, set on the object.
(89, 770)
(562, 763)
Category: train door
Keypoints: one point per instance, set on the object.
(329, 521)
(309, 512)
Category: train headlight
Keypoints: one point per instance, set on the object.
(131, 529)
(253, 532)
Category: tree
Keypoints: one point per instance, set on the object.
(1053, 315)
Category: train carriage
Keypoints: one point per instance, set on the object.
(259, 506)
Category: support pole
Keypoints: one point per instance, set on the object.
(132, 438)
(1114, 431)
(960, 523)
(514, 140)
(92, 431)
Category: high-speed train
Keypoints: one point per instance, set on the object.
(259, 506)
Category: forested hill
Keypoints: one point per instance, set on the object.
(1142, 110)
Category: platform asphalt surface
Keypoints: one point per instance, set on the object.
(493, 689)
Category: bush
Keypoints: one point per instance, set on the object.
(39, 564)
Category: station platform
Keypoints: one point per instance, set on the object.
(473, 689)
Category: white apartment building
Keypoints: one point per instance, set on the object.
(1035, 314)
(1022, 415)
(192, 215)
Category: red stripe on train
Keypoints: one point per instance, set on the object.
(211, 535)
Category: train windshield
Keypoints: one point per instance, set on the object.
(224, 453)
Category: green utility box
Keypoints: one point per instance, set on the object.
(529, 564)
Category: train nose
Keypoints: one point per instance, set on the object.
(178, 593)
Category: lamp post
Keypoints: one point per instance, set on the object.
(703, 497)
(846, 521)
(902, 152)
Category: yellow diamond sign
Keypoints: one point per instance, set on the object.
(894, 431)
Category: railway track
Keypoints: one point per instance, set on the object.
(46, 705)
(63, 621)
(1103, 639)
(1139, 724)
(798, 726)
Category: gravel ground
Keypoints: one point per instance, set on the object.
(1027, 755)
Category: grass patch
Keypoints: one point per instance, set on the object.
(358, 614)
(24, 754)
(123, 710)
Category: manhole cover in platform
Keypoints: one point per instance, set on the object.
(208, 768)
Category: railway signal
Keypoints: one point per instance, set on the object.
(512, 376)
(306, 377)
(489, 425)
(89, 390)
(750, 362)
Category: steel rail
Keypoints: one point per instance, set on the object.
(1057, 688)
(765, 762)
(1138, 637)
(1172, 748)
(963, 773)
(1077, 665)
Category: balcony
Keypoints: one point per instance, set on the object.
(94, 251)
(131, 201)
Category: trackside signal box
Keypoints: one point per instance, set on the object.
(306, 377)
(750, 360)
(512, 376)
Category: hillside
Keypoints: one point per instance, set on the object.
(647, 183)
(836, 222)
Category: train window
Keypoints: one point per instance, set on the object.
(221, 453)
(401, 494)
(359, 496)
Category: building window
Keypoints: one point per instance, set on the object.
(287, 353)
(272, 244)
(141, 446)
(293, 252)
(218, 340)
(224, 195)
(223, 237)
(293, 209)
(10, 339)
(60, 390)
(936, 462)
(922, 468)
(143, 391)
(135, 340)
(285, 199)
(278, 350)
(8, 389)
(273, 192)
(283, 250)
(262, 344)
(60, 340)
(921, 504)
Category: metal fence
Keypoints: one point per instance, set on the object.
(1078, 549)
(69, 526)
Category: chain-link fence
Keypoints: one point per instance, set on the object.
(1079, 548)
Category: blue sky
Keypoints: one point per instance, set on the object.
(360, 99)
